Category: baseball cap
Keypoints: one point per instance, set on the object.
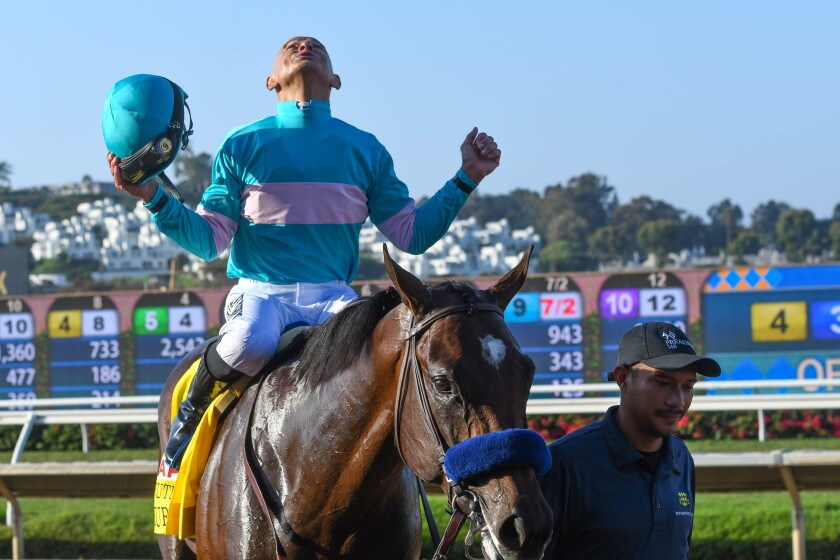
(664, 346)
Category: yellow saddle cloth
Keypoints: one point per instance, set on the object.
(176, 490)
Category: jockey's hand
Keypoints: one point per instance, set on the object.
(479, 155)
(144, 192)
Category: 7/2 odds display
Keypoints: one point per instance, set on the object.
(546, 319)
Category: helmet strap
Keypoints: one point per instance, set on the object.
(170, 186)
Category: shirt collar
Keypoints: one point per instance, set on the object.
(303, 109)
(623, 452)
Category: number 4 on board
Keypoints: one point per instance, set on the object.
(779, 321)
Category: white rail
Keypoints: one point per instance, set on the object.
(757, 396)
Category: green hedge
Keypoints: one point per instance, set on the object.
(64, 437)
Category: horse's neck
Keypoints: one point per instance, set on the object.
(342, 429)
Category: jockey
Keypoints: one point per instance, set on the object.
(289, 195)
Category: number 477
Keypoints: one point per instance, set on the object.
(18, 377)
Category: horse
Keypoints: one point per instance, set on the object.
(380, 396)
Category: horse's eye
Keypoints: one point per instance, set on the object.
(442, 384)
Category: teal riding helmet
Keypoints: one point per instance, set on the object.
(143, 124)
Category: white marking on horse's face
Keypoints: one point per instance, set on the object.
(493, 350)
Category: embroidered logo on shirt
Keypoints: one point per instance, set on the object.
(683, 498)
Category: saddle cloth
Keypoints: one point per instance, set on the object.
(176, 491)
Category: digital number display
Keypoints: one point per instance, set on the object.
(546, 319)
(825, 320)
(17, 350)
(84, 347)
(779, 321)
(626, 300)
(167, 327)
(773, 323)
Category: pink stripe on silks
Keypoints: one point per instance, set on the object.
(304, 203)
(223, 227)
(399, 228)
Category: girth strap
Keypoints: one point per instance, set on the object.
(248, 454)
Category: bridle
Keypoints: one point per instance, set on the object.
(457, 489)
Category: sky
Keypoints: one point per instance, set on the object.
(686, 102)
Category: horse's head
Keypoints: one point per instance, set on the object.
(464, 385)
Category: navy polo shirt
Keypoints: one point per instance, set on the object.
(608, 504)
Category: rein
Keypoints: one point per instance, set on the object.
(410, 362)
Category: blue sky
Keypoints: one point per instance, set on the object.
(688, 102)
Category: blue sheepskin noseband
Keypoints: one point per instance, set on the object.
(497, 450)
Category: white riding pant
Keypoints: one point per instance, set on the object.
(256, 313)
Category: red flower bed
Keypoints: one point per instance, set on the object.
(715, 425)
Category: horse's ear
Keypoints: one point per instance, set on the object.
(503, 291)
(413, 292)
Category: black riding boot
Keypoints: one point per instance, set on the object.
(199, 396)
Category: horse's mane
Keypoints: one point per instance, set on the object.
(335, 344)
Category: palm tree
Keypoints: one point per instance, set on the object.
(5, 174)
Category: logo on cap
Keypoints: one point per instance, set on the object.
(672, 341)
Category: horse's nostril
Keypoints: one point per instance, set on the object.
(513, 532)
(516, 535)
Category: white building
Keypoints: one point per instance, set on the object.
(467, 249)
(126, 243)
(18, 221)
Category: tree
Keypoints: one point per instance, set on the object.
(834, 235)
(196, 172)
(76, 270)
(725, 217)
(659, 237)
(567, 226)
(370, 268)
(693, 233)
(764, 219)
(798, 234)
(612, 242)
(5, 174)
(643, 209)
(563, 256)
(516, 206)
(747, 242)
(584, 205)
(630, 217)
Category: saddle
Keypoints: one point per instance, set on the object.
(176, 491)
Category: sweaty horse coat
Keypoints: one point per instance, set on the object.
(325, 430)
